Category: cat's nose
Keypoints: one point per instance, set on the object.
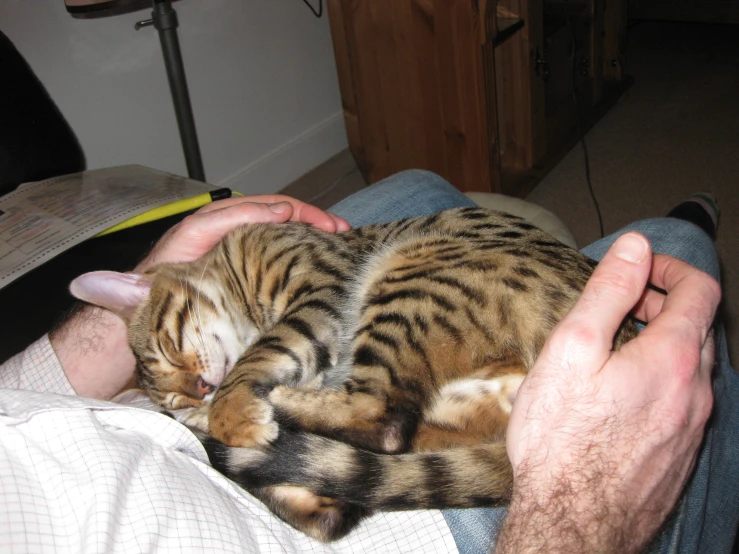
(203, 387)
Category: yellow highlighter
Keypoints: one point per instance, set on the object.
(171, 209)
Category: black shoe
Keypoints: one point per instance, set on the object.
(701, 209)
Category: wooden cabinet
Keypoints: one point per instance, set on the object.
(478, 91)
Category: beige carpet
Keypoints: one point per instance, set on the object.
(675, 132)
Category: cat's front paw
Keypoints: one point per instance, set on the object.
(195, 417)
(240, 419)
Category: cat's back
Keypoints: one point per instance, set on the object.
(469, 278)
(478, 245)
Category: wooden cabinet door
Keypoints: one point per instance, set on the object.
(413, 88)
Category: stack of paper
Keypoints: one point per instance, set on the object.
(40, 220)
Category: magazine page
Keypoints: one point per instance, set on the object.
(40, 220)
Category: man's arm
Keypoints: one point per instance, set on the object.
(91, 345)
(92, 349)
(601, 442)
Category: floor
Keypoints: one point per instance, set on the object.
(674, 133)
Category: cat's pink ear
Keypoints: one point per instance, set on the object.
(118, 292)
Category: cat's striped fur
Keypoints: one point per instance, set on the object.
(373, 369)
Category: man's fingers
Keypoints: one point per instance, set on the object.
(615, 287)
(341, 223)
(318, 218)
(301, 211)
(225, 203)
(649, 305)
(255, 199)
(218, 222)
(708, 356)
(692, 295)
(668, 271)
(198, 233)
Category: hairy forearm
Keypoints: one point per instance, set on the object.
(92, 349)
(575, 514)
(557, 527)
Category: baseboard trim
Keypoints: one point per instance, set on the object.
(283, 165)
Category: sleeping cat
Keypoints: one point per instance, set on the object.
(336, 374)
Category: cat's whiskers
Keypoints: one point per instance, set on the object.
(189, 311)
(200, 317)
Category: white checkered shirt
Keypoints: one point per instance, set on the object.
(80, 475)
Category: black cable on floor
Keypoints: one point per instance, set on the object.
(587, 169)
(319, 11)
(580, 130)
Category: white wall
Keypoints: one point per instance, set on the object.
(261, 75)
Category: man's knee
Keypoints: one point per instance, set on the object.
(673, 237)
(417, 178)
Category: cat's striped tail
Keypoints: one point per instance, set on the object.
(457, 478)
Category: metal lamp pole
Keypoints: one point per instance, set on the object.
(164, 20)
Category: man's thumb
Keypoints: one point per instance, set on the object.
(615, 287)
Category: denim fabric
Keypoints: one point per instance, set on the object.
(410, 193)
(707, 517)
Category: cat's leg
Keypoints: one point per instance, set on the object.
(367, 412)
(239, 415)
(305, 342)
(372, 413)
(469, 411)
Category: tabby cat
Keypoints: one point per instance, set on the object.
(336, 374)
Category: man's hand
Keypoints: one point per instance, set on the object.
(198, 233)
(602, 442)
(91, 345)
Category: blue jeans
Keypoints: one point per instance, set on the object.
(707, 516)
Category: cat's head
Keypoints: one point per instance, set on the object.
(182, 331)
